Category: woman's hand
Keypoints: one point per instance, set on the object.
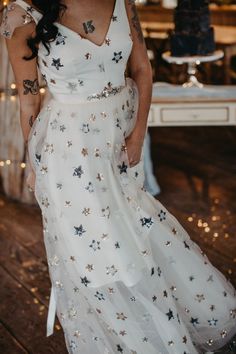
(134, 149)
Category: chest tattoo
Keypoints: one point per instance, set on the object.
(88, 27)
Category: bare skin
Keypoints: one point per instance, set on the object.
(78, 18)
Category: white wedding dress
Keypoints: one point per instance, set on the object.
(125, 275)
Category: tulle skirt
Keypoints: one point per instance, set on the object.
(125, 275)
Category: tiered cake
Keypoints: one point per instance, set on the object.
(193, 34)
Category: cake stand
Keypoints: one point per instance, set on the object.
(193, 62)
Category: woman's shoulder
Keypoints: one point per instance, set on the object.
(15, 15)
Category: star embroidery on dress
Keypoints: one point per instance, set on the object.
(114, 18)
(123, 333)
(88, 56)
(169, 314)
(72, 258)
(73, 345)
(159, 271)
(191, 278)
(30, 9)
(170, 343)
(162, 215)
(89, 187)
(78, 171)
(85, 281)
(60, 39)
(184, 339)
(89, 267)
(121, 316)
(99, 296)
(106, 212)
(99, 177)
(84, 152)
(212, 322)
(62, 128)
(111, 270)
(210, 278)
(117, 245)
(165, 294)
(72, 86)
(123, 168)
(57, 63)
(119, 348)
(145, 339)
(79, 230)
(199, 297)
(146, 222)
(117, 56)
(37, 159)
(85, 128)
(107, 41)
(194, 321)
(101, 68)
(154, 298)
(212, 307)
(186, 245)
(86, 211)
(95, 245)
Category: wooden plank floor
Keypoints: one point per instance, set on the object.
(196, 170)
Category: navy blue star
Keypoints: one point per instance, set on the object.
(57, 63)
(119, 349)
(123, 168)
(146, 222)
(170, 314)
(117, 245)
(117, 57)
(194, 321)
(186, 245)
(78, 171)
(79, 230)
(85, 281)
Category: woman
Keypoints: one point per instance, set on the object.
(125, 275)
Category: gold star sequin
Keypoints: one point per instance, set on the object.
(223, 333)
(86, 211)
(174, 231)
(121, 316)
(97, 152)
(92, 117)
(103, 114)
(44, 170)
(77, 334)
(84, 151)
(89, 267)
(107, 41)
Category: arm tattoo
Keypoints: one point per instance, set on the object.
(31, 121)
(88, 27)
(135, 21)
(31, 87)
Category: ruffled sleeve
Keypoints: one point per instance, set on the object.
(14, 16)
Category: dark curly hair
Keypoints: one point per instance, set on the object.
(46, 31)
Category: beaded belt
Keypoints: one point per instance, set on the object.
(106, 92)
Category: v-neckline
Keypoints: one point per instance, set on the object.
(86, 39)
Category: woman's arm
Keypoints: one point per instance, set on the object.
(141, 72)
(26, 76)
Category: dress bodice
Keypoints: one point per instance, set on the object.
(77, 67)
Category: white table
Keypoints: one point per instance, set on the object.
(173, 105)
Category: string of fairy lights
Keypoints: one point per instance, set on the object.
(11, 93)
